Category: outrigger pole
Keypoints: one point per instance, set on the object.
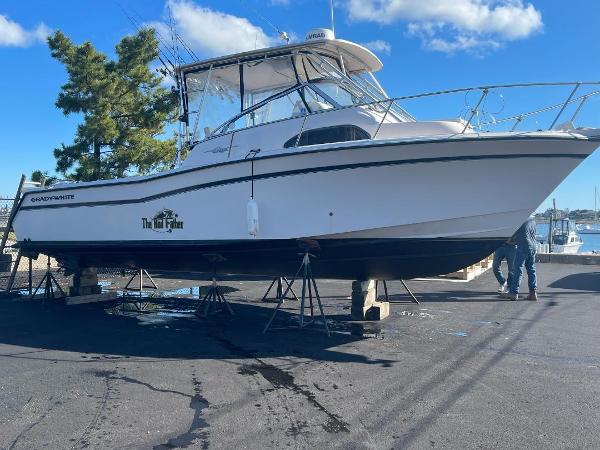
(331, 9)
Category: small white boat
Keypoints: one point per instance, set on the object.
(300, 142)
(588, 228)
(565, 238)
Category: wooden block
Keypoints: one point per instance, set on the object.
(378, 311)
(363, 286)
(94, 298)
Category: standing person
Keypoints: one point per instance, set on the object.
(524, 256)
(506, 251)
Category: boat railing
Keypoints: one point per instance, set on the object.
(478, 117)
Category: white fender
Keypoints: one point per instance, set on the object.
(252, 213)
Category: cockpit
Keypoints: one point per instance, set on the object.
(270, 85)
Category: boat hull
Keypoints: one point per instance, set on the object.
(380, 209)
(352, 259)
(569, 249)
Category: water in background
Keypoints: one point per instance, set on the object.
(591, 242)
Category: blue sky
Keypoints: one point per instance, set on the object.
(425, 45)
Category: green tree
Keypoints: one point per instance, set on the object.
(42, 177)
(123, 105)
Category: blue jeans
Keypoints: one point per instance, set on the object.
(523, 257)
(505, 252)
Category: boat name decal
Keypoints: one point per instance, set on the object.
(48, 198)
(164, 221)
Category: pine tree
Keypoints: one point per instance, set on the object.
(124, 108)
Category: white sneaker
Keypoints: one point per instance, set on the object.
(503, 288)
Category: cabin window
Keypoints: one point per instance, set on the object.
(311, 67)
(213, 97)
(337, 93)
(265, 78)
(290, 105)
(327, 135)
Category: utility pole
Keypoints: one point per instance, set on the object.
(595, 206)
(551, 226)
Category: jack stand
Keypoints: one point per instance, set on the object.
(140, 305)
(387, 299)
(279, 292)
(50, 281)
(214, 300)
(307, 279)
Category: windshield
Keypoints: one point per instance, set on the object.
(225, 98)
(213, 97)
(336, 92)
(280, 108)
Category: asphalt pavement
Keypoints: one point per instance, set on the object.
(462, 370)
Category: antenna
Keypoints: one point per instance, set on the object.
(284, 37)
(281, 34)
(138, 27)
(174, 41)
(331, 9)
(595, 205)
(178, 61)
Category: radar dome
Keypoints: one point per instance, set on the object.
(318, 34)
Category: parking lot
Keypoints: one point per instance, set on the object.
(464, 369)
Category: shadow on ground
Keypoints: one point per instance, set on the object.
(448, 296)
(587, 281)
(167, 334)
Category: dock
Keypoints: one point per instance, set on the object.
(463, 369)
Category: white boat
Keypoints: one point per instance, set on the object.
(564, 237)
(300, 143)
(588, 228)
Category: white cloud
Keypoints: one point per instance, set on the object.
(378, 46)
(468, 43)
(213, 33)
(453, 25)
(13, 34)
(429, 34)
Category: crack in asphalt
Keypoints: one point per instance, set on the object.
(197, 429)
(31, 426)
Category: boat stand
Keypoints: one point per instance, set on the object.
(279, 297)
(387, 298)
(308, 281)
(49, 281)
(213, 302)
(140, 305)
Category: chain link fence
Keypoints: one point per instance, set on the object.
(5, 207)
(29, 272)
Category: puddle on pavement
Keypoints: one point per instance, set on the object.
(421, 314)
(366, 330)
(187, 292)
(459, 333)
(164, 317)
(195, 291)
(152, 314)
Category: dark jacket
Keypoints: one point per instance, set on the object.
(525, 236)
